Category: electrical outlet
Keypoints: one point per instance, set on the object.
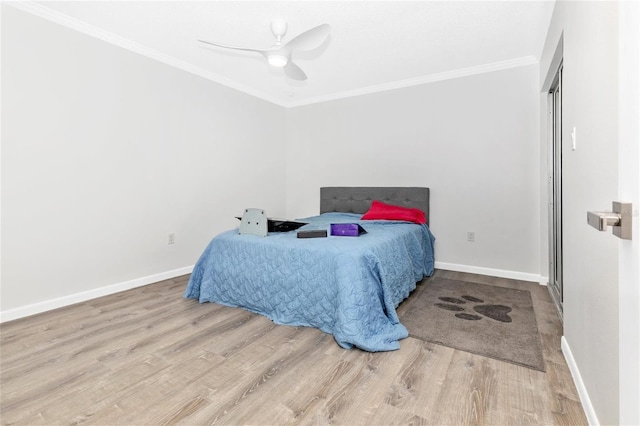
(172, 238)
(471, 237)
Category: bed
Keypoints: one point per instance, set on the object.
(345, 286)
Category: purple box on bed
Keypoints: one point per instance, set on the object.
(347, 229)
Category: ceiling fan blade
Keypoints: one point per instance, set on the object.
(310, 39)
(234, 47)
(294, 72)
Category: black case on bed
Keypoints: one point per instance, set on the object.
(313, 233)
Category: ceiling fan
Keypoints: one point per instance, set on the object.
(279, 55)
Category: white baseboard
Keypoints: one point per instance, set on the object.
(514, 275)
(577, 379)
(60, 302)
(47, 305)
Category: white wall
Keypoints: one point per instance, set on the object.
(105, 152)
(127, 150)
(590, 182)
(472, 140)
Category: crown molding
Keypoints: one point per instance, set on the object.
(432, 78)
(44, 12)
(93, 31)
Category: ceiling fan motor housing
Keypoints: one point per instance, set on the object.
(279, 28)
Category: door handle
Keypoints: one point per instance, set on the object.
(620, 219)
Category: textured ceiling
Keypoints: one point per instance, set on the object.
(373, 45)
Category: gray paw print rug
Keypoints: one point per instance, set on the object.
(491, 321)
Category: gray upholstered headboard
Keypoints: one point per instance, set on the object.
(358, 199)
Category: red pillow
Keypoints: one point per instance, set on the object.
(380, 210)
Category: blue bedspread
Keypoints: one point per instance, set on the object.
(346, 286)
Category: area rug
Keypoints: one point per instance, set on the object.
(495, 322)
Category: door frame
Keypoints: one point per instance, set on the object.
(554, 187)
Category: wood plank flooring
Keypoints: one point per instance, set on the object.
(148, 356)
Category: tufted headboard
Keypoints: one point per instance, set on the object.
(356, 199)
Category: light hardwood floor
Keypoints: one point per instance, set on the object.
(148, 356)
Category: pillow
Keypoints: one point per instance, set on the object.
(380, 210)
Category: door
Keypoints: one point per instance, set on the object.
(629, 190)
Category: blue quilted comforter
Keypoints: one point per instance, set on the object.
(346, 286)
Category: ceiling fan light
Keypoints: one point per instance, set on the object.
(277, 60)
